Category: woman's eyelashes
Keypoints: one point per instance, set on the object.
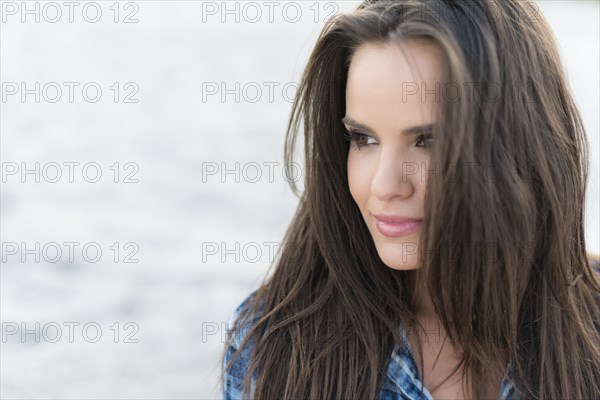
(359, 140)
(426, 139)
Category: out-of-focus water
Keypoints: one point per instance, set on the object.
(178, 295)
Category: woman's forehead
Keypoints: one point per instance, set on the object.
(395, 85)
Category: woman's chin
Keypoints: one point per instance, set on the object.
(401, 266)
(398, 257)
(400, 260)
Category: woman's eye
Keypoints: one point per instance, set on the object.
(358, 139)
(425, 141)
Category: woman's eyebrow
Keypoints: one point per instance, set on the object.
(415, 130)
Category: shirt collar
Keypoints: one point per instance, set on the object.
(403, 374)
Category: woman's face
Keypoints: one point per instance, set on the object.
(390, 102)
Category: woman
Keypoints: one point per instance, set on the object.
(438, 249)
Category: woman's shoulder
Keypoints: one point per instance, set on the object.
(234, 326)
(237, 328)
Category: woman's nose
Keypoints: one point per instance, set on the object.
(394, 175)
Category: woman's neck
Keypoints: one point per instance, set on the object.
(423, 303)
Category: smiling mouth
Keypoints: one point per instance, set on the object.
(401, 227)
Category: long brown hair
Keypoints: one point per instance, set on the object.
(527, 294)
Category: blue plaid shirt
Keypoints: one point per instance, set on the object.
(401, 383)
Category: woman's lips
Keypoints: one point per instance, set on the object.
(393, 226)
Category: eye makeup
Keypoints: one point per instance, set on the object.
(359, 139)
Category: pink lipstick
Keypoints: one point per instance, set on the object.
(397, 226)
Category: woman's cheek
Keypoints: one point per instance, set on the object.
(359, 177)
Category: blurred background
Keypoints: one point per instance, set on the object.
(143, 193)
